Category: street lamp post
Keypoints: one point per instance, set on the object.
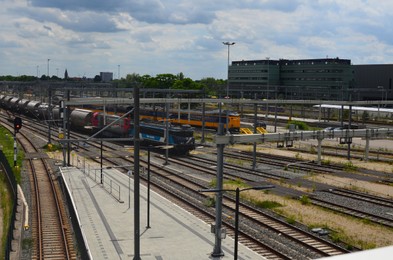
(148, 187)
(228, 44)
(267, 88)
(382, 89)
(227, 95)
(48, 69)
(237, 191)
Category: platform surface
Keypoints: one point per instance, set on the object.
(107, 221)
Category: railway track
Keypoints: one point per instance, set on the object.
(356, 153)
(51, 230)
(175, 183)
(300, 236)
(185, 189)
(285, 162)
(363, 196)
(384, 216)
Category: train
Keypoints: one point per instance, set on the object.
(179, 138)
(212, 118)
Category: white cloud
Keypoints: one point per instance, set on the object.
(152, 36)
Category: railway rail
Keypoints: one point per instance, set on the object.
(363, 196)
(182, 184)
(344, 200)
(356, 153)
(50, 227)
(175, 182)
(190, 185)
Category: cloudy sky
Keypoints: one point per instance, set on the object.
(173, 36)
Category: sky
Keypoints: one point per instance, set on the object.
(172, 36)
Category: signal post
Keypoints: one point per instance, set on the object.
(17, 127)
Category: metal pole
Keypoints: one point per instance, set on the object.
(101, 175)
(367, 148)
(129, 189)
(275, 112)
(319, 150)
(227, 121)
(342, 116)
(217, 251)
(167, 133)
(50, 114)
(349, 128)
(48, 68)
(228, 73)
(68, 133)
(148, 187)
(228, 44)
(63, 115)
(15, 148)
(236, 222)
(254, 154)
(136, 177)
(203, 122)
(267, 88)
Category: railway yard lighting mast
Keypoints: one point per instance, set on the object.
(48, 69)
(228, 44)
(227, 95)
(267, 87)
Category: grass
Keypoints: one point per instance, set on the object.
(52, 147)
(350, 167)
(6, 206)
(235, 161)
(353, 231)
(305, 200)
(208, 137)
(367, 235)
(7, 144)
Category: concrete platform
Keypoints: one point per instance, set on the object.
(106, 217)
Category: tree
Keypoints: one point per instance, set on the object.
(149, 82)
(186, 83)
(212, 85)
(166, 81)
(365, 116)
(133, 78)
(97, 78)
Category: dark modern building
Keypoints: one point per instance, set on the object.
(324, 79)
(374, 82)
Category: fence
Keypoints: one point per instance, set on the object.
(12, 184)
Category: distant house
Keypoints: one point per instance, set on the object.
(106, 76)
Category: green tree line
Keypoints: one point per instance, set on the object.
(210, 85)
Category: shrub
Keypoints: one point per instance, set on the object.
(305, 200)
(299, 125)
(267, 204)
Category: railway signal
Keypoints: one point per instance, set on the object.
(17, 124)
(17, 127)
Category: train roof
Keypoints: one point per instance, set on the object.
(223, 112)
(162, 124)
(358, 108)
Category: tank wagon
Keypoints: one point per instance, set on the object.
(89, 121)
